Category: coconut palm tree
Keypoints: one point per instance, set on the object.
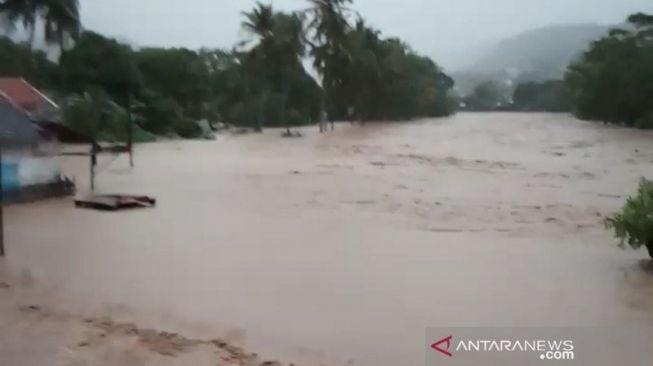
(281, 44)
(290, 46)
(259, 24)
(61, 18)
(289, 34)
(365, 80)
(259, 21)
(330, 56)
(22, 12)
(61, 21)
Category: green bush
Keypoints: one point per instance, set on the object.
(645, 122)
(95, 116)
(81, 115)
(445, 105)
(187, 128)
(633, 226)
(160, 114)
(295, 118)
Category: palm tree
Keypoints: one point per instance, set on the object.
(61, 18)
(61, 21)
(289, 35)
(365, 80)
(330, 26)
(20, 11)
(290, 44)
(259, 21)
(277, 54)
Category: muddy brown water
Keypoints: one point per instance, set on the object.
(342, 248)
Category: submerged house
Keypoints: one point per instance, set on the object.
(39, 107)
(28, 163)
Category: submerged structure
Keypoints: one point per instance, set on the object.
(38, 106)
(29, 168)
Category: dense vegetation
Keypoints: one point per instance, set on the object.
(613, 81)
(547, 96)
(260, 83)
(489, 96)
(21, 60)
(634, 224)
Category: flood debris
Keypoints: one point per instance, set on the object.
(114, 202)
(291, 134)
(271, 363)
(164, 343)
(29, 308)
(383, 164)
(168, 343)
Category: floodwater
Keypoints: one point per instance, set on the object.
(343, 248)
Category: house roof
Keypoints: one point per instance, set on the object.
(23, 94)
(16, 129)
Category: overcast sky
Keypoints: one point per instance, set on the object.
(452, 32)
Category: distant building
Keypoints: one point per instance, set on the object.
(27, 160)
(37, 105)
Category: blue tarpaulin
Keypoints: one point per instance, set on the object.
(10, 176)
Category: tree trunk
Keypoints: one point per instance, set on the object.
(323, 114)
(258, 126)
(649, 246)
(284, 110)
(32, 35)
(94, 151)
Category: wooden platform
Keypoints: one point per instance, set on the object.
(115, 202)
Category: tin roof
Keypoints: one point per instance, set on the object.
(23, 94)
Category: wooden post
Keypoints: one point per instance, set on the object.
(323, 114)
(130, 130)
(93, 164)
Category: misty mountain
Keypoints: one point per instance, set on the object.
(535, 55)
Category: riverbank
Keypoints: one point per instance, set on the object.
(37, 331)
(343, 247)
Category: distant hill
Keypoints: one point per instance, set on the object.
(535, 55)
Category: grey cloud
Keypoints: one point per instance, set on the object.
(452, 32)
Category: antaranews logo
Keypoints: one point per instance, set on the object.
(546, 349)
(443, 346)
(515, 346)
